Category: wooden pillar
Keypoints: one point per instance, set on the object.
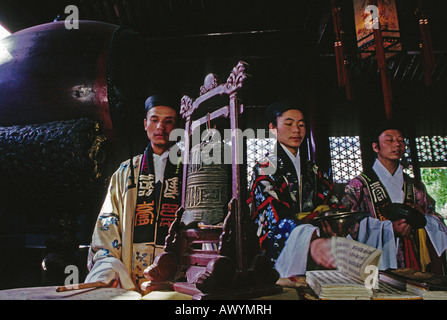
(343, 71)
(426, 45)
(383, 69)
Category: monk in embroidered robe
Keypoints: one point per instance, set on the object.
(386, 183)
(284, 185)
(141, 203)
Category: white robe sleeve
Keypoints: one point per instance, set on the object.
(104, 260)
(380, 235)
(108, 269)
(292, 260)
(106, 239)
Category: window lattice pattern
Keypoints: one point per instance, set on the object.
(256, 149)
(406, 159)
(345, 158)
(432, 149)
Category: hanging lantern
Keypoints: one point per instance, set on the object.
(378, 36)
(373, 14)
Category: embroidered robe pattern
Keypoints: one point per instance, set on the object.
(276, 199)
(126, 225)
(359, 198)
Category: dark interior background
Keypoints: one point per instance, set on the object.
(289, 48)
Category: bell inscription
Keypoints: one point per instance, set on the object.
(207, 187)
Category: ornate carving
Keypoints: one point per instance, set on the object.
(209, 83)
(163, 269)
(207, 184)
(186, 107)
(237, 77)
(227, 271)
(172, 241)
(226, 240)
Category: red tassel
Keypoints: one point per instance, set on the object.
(339, 62)
(382, 66)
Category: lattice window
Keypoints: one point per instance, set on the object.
(406, 159)
(346, 158)
(423, 148)
(256, 149)
(432, 149)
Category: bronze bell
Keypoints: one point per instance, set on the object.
(207, 186)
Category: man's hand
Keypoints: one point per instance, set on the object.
(320, 250)
(326, 230)
(401, 228)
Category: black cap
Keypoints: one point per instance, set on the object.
(276, 109)
(162, 100)
(379, 128)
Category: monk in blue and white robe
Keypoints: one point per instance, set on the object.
(283, 186)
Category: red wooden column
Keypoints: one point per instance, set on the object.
(343, 71)
(383, 69)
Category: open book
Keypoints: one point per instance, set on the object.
(356, 276)
(357, 265)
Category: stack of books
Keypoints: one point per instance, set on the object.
(428, 286)
(388, 292)
(336, 285)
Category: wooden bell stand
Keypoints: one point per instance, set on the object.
(236, 269)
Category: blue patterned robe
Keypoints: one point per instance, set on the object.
(276, 199)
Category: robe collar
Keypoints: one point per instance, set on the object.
(393, 183)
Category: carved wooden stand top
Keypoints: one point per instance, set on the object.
(236, 269)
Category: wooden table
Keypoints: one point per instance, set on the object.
(50, 293)
(293, 289)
